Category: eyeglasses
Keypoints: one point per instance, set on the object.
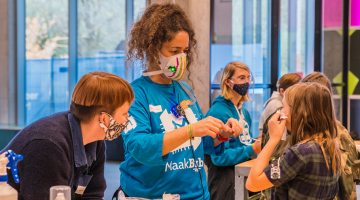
(243, 79)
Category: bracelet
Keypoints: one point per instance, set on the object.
(253, 146)
(190, 129)
(222, 139)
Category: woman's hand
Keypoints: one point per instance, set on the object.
(276, 129)
(235, 129)
(209, 126)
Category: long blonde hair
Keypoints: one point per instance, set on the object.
(229, 71)
(313, 118)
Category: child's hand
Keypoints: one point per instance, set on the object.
(276, 129)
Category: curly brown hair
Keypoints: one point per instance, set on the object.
(159, 24)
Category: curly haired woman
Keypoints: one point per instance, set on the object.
(168, 135)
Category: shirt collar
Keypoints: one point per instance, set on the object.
(83, 155)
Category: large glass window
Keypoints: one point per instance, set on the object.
(101, 35)
(46, 58)
(139, 8)
(296, 36)
(241, 32)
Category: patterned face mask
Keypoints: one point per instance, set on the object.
(241, 89)
(115, 129)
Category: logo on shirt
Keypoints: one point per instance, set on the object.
(187, 164)
(132, 124)
(170, 123)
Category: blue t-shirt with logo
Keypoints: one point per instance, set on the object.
(145, 172)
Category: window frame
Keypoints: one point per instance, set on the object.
(20, 73)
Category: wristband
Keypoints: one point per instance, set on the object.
(190, 129)
(253, 146)
(222, 139)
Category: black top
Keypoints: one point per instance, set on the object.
(54, 154)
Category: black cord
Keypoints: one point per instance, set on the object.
(192, 150)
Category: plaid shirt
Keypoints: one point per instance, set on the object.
(304, 174)
(350, 162)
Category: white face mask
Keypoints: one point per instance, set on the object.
(173, 67)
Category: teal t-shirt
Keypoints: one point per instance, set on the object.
(145, 172)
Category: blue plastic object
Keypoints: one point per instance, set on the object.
(174, 111)
(13, 160)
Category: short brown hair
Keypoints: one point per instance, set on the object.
(99, 92)
(288, 80)
(313, 118)
(228, 72)
(317, 77)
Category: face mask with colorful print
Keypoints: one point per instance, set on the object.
(115, 129)
(173, 67)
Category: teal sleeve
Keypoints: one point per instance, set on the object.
(143, 145)
(233, 156)
(209, 147)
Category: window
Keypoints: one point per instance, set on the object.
(101, 37)
(296, 37)
(100, 28)
(241, 32)
(47, 58)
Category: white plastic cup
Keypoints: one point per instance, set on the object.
(60, 192)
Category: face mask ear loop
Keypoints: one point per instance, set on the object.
(146, 73)
(232, 82)
(188, 93)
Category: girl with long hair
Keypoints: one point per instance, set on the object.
(309, 168)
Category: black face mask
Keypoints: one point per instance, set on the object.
(241, 89)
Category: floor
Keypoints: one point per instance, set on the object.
(112, 177)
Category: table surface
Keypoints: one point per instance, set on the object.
(250, 163)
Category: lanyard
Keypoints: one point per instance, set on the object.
(244, 137)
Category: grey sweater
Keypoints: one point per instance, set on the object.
(270, 106)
